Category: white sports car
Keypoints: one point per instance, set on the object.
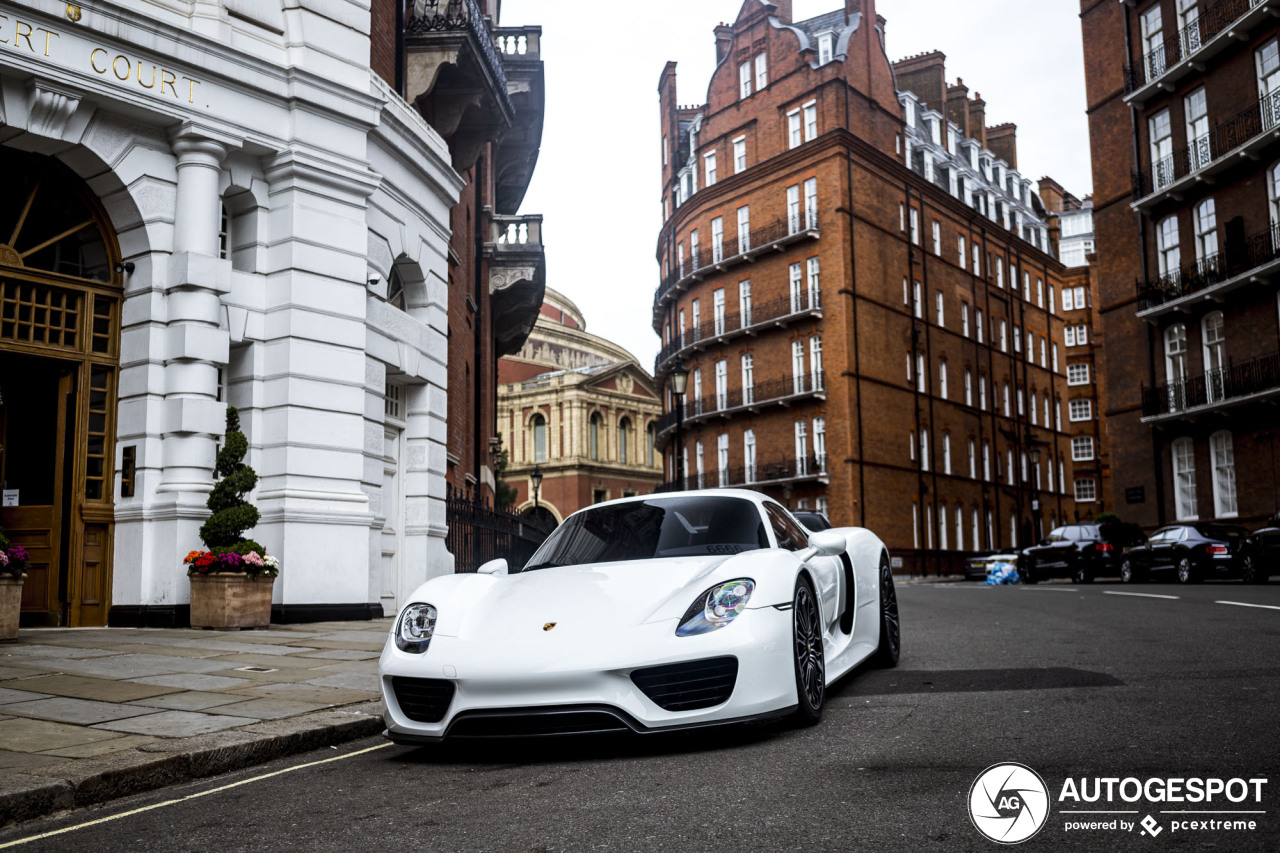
(646, 614)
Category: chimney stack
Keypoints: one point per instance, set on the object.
(724, 38)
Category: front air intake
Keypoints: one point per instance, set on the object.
(423, 700)
(689, 686)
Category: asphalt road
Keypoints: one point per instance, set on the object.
(1071, 681)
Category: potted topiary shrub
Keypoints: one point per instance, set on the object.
(13, 571)
(231, 581)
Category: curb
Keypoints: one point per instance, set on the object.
(909, 580)
(34, 794)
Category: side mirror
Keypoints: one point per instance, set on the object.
(824, 543)
(494, 567)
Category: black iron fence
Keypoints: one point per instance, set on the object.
(1213, 386)
(480, 532)
(774, 311)
(758, 394)
(1185, 42)
(1237, 258)
(776, 470)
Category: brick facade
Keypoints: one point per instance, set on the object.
(839, 179)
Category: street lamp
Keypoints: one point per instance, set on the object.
(1033, 450)
(679, 382)
(536, 479)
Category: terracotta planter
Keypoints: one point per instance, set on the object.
(10, 605)
(227, 601)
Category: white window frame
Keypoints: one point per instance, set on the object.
(1080, 410)
(1183, 454)
(739, 154)
(1082, 448)
(1223, 466)
(1078, 373)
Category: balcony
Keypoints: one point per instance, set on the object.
(770, 238)
(776, 392)
(781, 471)
(517, 278)
(1220, 25)
(776, 313)
(1236, 384)
(454, 75)
(1254, 259)
(1239, 137)
(517, 153)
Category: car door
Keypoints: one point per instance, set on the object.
(1162, 552)
(1064, 551)
(1046, 553)
(826, 571)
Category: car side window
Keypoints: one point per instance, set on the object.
(1071, 532)
(1056, 535)
(790, 536)
(1183, 534)
(1158, 537)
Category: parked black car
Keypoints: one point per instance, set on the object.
(1190, 552)
(814, 521)
(1081, 552)
(1260, 557)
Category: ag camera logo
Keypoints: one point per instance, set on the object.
(1009, 803)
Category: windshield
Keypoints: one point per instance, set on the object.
(657, 527)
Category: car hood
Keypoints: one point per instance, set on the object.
(582, 600)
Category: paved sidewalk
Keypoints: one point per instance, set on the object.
(91, 714)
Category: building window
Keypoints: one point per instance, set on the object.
(1162, 160)
(924, 449)
(973, 459)
(1081, 448)
(762, 71)
(748, 380)
(815, 362)
(942, 379)
(701, 467)
(1078, 374)
(722, 385)
(1017, 338)
(1054, 360)
(917, 299)
(1206, 225)
(1196, 110)
(826, 48)
(797, 287)
(797, 366)
(982, 392)
(937, 237)
(739, 154)
(624, 440)
(1175, 365)
(1004, 336)
(960, 245)
(811, 203)
(649, 436)
(1184, 479)
(717, 240)
(1213, 339)
(986, 461)
(942, 527)
(820, 444)
(810, 111)
(914, 216)
(964, 319)
(744, 303)
(968, 387)
(815, 290)
(749, 456)
(744, 80)
(1086, 490)
(920, 376)
(717, 311)
(938, 309)
(744, 229)
(795, 130)
(1051, 299)
(1224, 474)
(793, 208)
(722, 460)
(978, 327)
(709, 167)
(593, 441)
(802, 448)
(1080, 410)
(946, 453)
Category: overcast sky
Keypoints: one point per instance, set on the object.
(598, 175)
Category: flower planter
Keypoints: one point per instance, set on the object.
(228, 601)
(10, 605)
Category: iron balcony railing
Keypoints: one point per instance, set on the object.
(778, 311)
(780, 231)
(1260, 117)
(1236, 259)
(1186, 42)
(480, 532)
(780, 469)
(1213, 387)
(772, 392)
(430, 16)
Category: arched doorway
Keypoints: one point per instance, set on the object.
(60, 295)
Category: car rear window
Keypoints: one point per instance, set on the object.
(1221, 531)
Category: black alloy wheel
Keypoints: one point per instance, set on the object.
(811, 667)
(1252, 570)
(1129, 572)
(890, 630)
(1080, 571)
(1187, 572)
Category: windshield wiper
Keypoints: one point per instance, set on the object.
(547, 565)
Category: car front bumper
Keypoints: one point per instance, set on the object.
(518, 690)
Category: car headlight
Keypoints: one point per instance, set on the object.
(716, 607)
(416, 626)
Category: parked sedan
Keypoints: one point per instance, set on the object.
(1260, 556)
(1189, 552)
(1081, 552)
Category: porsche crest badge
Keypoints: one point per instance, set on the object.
(548, 626)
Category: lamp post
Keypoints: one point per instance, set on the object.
(536, 479)
(1033, 451)
(679, 382)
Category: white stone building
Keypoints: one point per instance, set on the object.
(238, 191)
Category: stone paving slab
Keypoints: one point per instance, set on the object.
(85, 687)
(138, 665)
(277, 661)
(9, 696)
(7, 672)
(215, 646)
(275, 676)
(200, 681)
(19, 734)
(176, 724)
(20, 761)
(269, 708)
(191, 700)
(54, 651)
(376, 637)
(303, 692)
(342, 654)
(359, 646)
(350, 680)
(85, 712)
(171, 651)
(102, 747)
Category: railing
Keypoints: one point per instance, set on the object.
(753, 396)
(429, 16)
(1262, 116)
(775, 311)
(1186, 42)
(780, 469)
(519, 42)
(479, 532)
(1236, 259)
(784, 228)
(1213, 386)
(516, 233)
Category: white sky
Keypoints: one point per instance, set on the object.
(598, 175)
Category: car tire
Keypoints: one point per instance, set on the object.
(1029, 571)
(886, 655)
(1129, 572)
(808, 657)
(1252, 570)
(1080, 572)
(1187, 572)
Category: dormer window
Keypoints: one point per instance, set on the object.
(826, 48)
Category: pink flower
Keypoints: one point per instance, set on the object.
(253, 559)
(4, 559)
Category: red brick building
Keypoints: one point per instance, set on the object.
(860, 283)
(1184, 103)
